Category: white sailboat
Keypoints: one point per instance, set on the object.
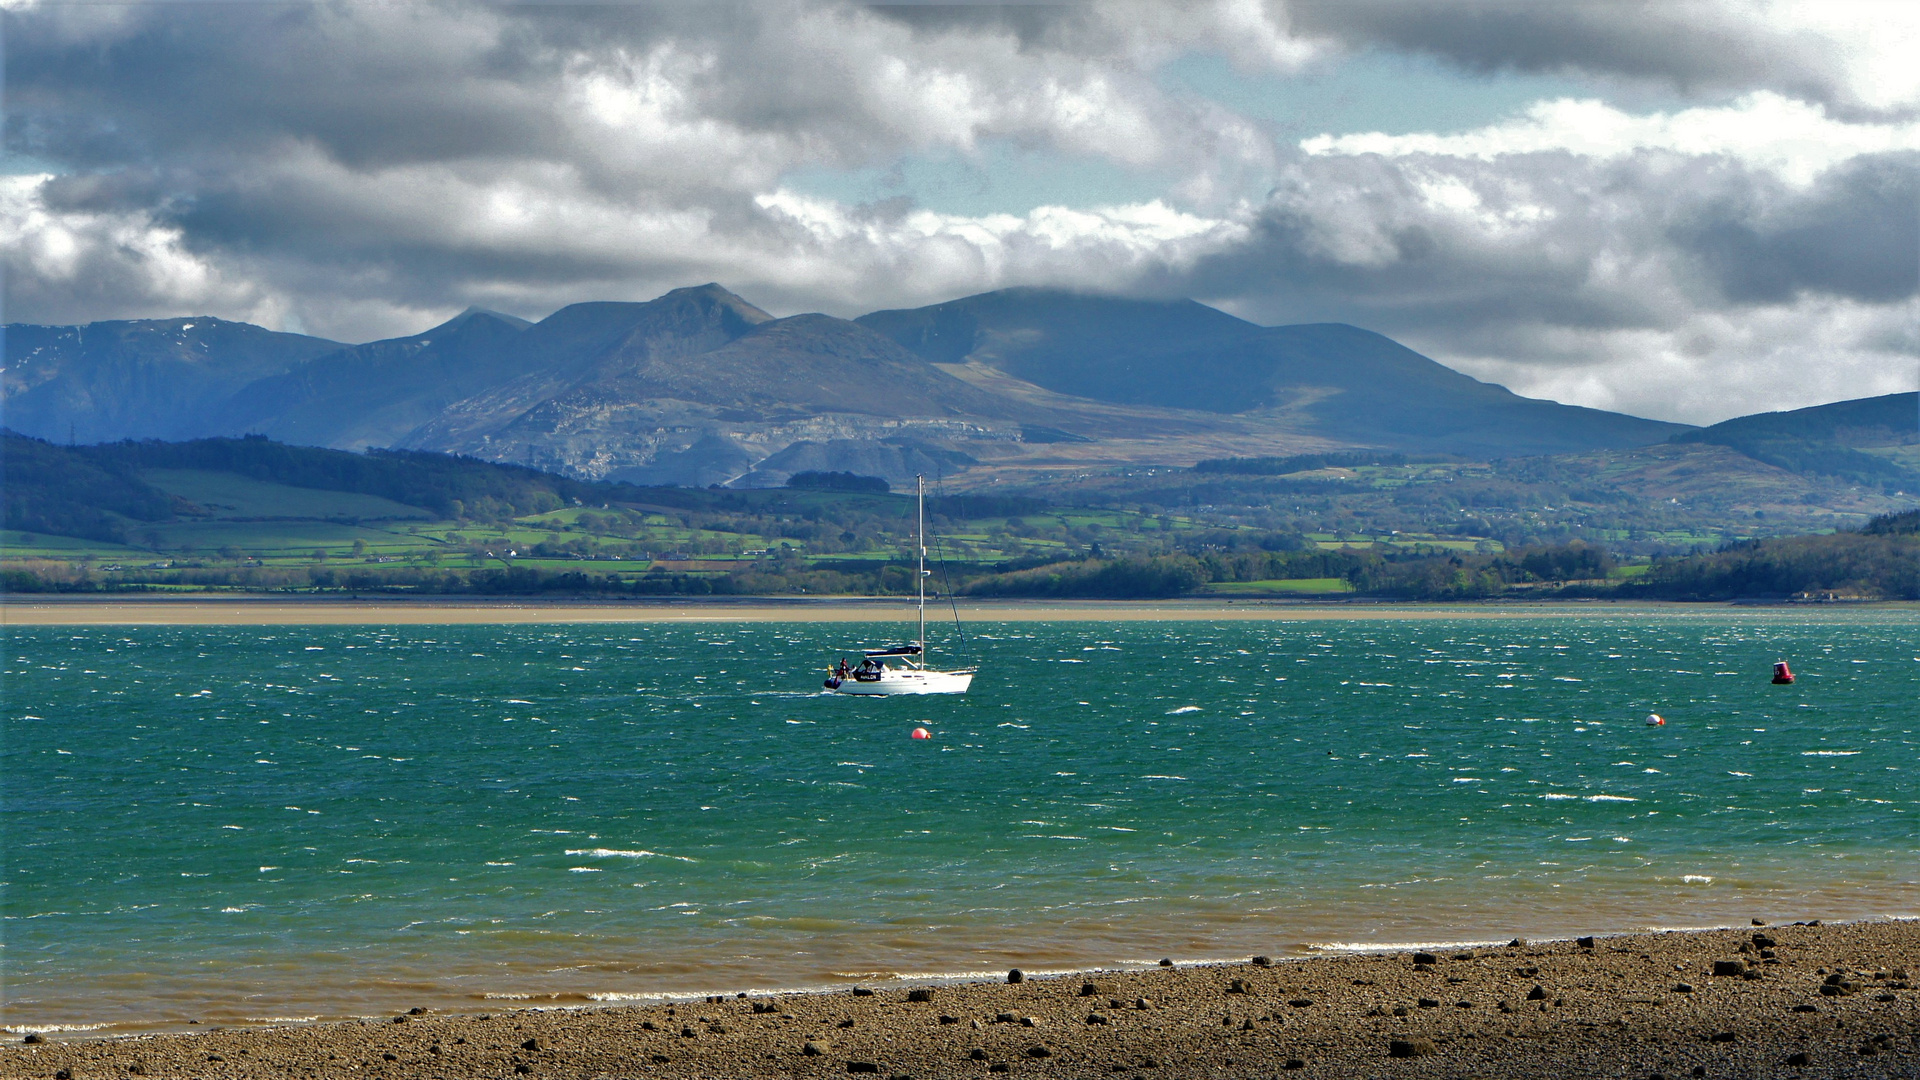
(875, 677)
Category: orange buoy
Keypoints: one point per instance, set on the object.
(1654, 719)
(922, 733)
(1782, 675)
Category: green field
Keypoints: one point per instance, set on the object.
(227, 496)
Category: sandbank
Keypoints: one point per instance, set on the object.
(325, 611)
(1800, 1000)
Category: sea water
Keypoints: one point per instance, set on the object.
(254, 824)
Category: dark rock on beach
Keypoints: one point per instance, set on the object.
(1611, 1013)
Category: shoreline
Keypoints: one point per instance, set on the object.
(1834, 999)
(249, 610)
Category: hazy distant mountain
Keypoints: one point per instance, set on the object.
(699, 386)
(136, 379)
(1343, 382)
(1888, 420)
(1872, 441)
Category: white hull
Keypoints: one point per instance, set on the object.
(907, 681)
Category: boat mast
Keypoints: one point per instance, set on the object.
(920, 540)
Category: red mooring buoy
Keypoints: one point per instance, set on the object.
(1782, 675)
(922, 733)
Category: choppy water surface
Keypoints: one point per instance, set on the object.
(247, 823)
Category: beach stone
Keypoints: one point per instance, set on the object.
(63, 1074)
(1429, 1003)
(1806, 1008)
(1411, 1048)
(1039, 1050)
(1759, 922)
(1538, 993)
(1005, 1018)
(418, 1011)
(1399, 1010)
(1262, 961)
(977, 1054)
(1800, 1060)
(530, 1044)
(1301, 1003)
(1166, 962)
(1425, 958)
(816, 1048)
(1096, 989)
(862, 1067)
(1517, 943)
(921, 994)
(1724, 1037)
(1237, 986)
(1683, 988)
(945, 1019)
(862, 991)
(1584, 943)
(1698, 1070)
(687, 1032)
(32, 1038)
(1096, 1018)
(999, 1067)
(400, 1019)
(1142, 1003)
(1016, 976)
(1730, 967)
(1294, 1063)
(523, 1068)
(1027, 1021)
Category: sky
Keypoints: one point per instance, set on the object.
(1681, 209)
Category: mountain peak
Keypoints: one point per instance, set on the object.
(474, 312)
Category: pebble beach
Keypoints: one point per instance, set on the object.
(1792, 1000)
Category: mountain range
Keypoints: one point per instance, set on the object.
(701, 387)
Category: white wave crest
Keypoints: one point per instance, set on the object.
(625, 853)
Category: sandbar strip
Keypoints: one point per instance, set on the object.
(247, 611)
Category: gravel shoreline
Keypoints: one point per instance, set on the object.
(1798, 1000)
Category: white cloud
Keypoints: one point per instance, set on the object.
(1794, 139)
(363, 170)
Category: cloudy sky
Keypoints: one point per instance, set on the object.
(1685, 210)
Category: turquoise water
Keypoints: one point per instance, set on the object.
(256, 823)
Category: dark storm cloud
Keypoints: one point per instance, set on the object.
(1856, 235)
(1690, 46)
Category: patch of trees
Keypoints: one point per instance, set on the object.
(1131, 578)
(51, 489)
(1881, 561)
(839, 481)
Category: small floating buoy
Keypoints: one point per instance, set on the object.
(1654, 719)
(922, 733)
(1782, 675)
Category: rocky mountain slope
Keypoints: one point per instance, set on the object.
(701, 387)
(138, 379)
